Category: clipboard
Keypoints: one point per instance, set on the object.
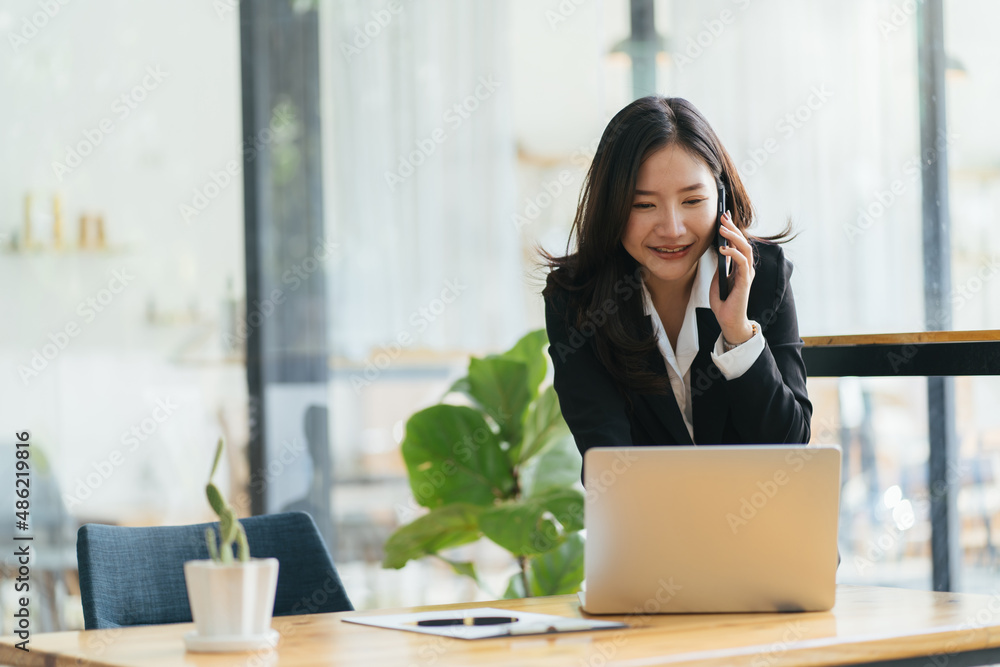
(526, 623)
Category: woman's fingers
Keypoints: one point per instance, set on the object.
(743, 265)
(741, 251)
(732, 313)
(732, 232)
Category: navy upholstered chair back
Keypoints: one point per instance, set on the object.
(135, 576)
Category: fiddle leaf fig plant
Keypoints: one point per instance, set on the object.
(503, 466)
(230, 529)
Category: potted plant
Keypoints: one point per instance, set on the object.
(503, 466)
(232, 600)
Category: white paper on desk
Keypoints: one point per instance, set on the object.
(527, 623)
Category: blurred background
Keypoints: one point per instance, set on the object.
(406, 159)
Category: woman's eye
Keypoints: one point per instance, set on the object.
(643, 204)
(696, 201)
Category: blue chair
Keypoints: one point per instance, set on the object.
(135, 576)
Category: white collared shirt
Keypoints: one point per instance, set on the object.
(732, 364)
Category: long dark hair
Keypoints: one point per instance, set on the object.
(595, 274)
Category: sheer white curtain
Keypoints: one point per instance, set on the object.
(817, 102)
(420, 175)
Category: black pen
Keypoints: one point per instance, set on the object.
(471, 620)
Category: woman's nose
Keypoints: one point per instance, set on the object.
(671, 223)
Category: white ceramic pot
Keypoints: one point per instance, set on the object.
(234, 600)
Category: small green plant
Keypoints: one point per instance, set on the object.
(505, 467)
(230, 529)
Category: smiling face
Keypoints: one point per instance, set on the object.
(672, 220)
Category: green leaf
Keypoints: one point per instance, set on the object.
(243, 547)
(464, 568)
(531, 350)
(566, 505)
(528, 527)
(558, 467)
(515, 588)
(215, 499)
(461, 385)
(442, 528)
(213, 549)
(218, 457)
(543, 426)
(521, 528)
(500, 386)
(228, 529)
(560, 571)
(452, 455)
(557, 572)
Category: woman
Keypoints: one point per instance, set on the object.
(645, 351)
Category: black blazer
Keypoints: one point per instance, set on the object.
(767, 405)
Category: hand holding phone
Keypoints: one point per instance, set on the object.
(721, 242)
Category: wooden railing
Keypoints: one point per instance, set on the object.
(926, 354)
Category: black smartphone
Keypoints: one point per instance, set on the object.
(721, 242)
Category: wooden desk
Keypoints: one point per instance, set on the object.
(867, 625)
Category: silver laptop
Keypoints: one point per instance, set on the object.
(711, 529)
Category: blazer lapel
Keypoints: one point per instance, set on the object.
(709, 402)
(664, 406)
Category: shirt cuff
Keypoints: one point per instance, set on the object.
(738, 360)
